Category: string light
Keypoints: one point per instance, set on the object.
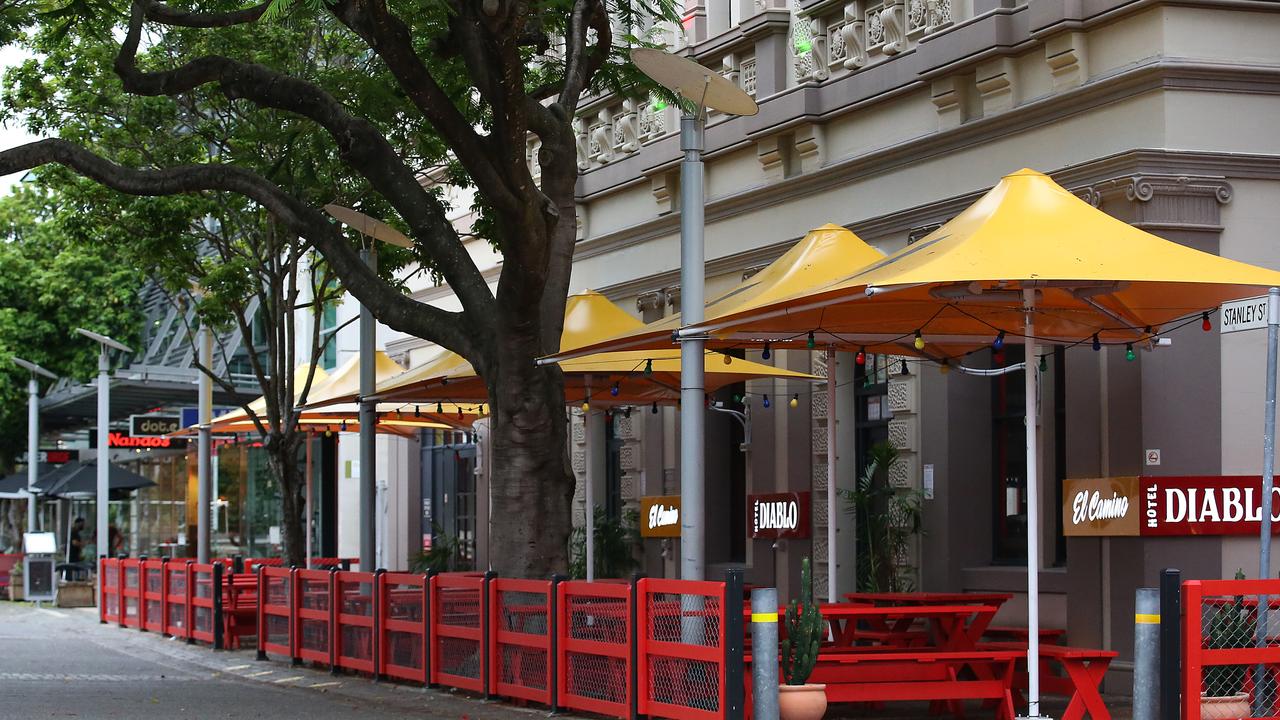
(999, 341)
(737, 399)
(997, 357)
(1204, 322)
(439, 408)
(459, 412)
(1128, 352)
(626, 412)
(904, 370)
(654, 408)
(614, 390)
(417, 411)
(728, 359)
(586, 405)
(765, 402)
(1044, 363)
(945, 367)
(811, 342)
(344, 426)
(795, 400)
(1097, 344)
(444, 381)
(919, 341)
(648, 367)
(766, 354)
(481, 408)
(861, 357)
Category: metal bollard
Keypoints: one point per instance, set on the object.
(764, 653)
(1170, 644)
(1146, 654)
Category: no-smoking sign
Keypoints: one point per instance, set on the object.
(1153, 457)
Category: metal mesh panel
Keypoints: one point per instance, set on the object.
(460, 607)
(277, 630)
(523, 663)
(154, 579)
(1234, 622)
(277, 590)
(523, 666)
(315, 593)
(404, 602)
(202, 619)
(404, 649)
(155, 612)
(460, 657)
(355, 598)
(314, 636)
(523, 612)
(203, 584)
(683, 618)
(683, 682)
(603, 619)
(598, 677)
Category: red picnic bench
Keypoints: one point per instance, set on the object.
(239, 607)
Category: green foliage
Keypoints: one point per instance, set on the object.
(445, 555)
(887, 520)
(615, 551)
(54, 278)
(804, 628)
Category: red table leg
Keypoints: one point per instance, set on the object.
(1086, 676)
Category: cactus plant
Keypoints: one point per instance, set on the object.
(804, 632)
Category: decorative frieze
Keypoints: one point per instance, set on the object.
(853, 44)
(902, 395)
(893, 33)
(1165, 201)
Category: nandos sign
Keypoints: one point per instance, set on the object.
(779, 515)
(1166, 506)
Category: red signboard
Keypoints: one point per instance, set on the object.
(120, 440)
(1204, 505)
(779, 515)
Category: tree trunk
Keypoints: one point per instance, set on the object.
(283, 457)
(530, 482)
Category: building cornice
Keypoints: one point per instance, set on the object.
(1156, 74)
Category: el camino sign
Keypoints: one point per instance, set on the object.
(660, 516)
(1166, 506)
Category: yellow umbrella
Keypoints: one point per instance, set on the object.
(343, 384)
(1028, 259)
(619, 378)
(318, 376)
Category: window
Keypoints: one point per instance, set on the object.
(329, 329)
(1009, 462)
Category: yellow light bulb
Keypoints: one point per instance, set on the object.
(586, 406)
(945, 367)
(728, 359)
(795, 402)
(919, 342)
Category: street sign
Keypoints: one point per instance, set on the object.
(1247, 314)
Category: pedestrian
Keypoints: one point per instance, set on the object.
(77, 541)
(115, 541)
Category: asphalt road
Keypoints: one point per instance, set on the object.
(64, 664)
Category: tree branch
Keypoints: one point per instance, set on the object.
(455, 331)
(360, 144)
(169, 16)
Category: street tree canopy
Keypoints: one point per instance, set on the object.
(375, 95)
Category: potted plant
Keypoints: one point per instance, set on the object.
(1223, 696)
(797, 698)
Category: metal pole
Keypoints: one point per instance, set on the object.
(204, 454)
(831, 477)
(104, 453)
(368, 385)
(33, 451)
(692, 362)
(1033, 509)
(764, 653)
(1146, 654)
(589, 483)
(1268, 482)
(306, 524)
(1170, 644)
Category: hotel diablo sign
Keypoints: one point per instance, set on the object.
(660, 516)
(779, 515)
(1166, 506)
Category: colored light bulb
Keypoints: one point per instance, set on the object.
(919, 342)
(586, 406)
(1128, 352)
(613, 390)
(795, 400)
(999, 341)
(648, 367)
(945, 367)
(766, 354)
(811, 342)
(654, 409)
(1044, 363)
(861, 357)
(904, 370)
(765, 402)
(1097, 344)
(1204, 322)
(728, 359)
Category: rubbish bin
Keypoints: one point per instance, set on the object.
(40, 566)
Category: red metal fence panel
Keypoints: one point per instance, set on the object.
(402, 626)
(153, 595)
(130, 592)
(109, 591)
(275, 612)
(202, 596)
(313, 615)
(681, 640)
(521, 628)
(594, 665)
(176, 604)
(457, 631)
(354, 636)
(1230, 648)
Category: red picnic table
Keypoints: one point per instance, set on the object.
(928, 598)
(948, 627)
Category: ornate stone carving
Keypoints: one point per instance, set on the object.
(653, 301)
(1067, 60)
(917, 15)
(894, 35)
(747, 77)
(600, 138)
(902, 395)
(652, 120)
(808, 46)
(584, 151)
(851, 36)
(875, 29)
(902, 433)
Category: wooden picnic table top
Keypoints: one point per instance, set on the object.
(929, 598)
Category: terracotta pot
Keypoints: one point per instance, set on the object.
(802, 702)
(1230, 707)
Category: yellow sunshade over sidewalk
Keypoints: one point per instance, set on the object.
(823, 256)
(621, 378)
(1092, 274)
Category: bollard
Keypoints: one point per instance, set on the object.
(1146, 654)
(764, 653)
(1170, 706)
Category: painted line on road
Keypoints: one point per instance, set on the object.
(324, 684)
(260, 674)
(238, 667)
(288, 679)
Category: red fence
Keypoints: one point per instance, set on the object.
(1230, 648)
(661, 648)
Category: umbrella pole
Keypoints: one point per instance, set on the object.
(1030, 373)
(306, 523)
(692, 361)
(831, 476)
(589, 489)
(33, 449)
